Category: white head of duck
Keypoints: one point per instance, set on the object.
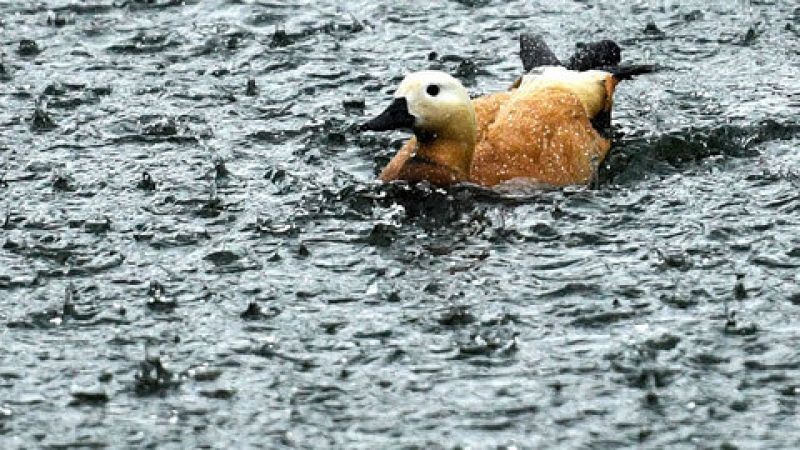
(432, 104)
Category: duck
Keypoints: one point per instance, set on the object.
(552, 127)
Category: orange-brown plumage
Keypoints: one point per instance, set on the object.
(443, 164)
(541, 131)
(547, 138)
(444, 152)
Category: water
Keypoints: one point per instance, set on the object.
(187, 261)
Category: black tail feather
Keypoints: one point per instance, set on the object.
(605, 53)
(534, 52)
(601, 55)
(628, 71)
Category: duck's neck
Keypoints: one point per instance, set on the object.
(442, 158)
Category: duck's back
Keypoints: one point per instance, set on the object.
(486, 109)
(543, 132)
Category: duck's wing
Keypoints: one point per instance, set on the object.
(534, 52)
(486, 108)
(595, 55)
(544, 135)
(594, 88)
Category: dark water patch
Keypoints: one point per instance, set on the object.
(774, 262)
(28, 47)
(755, 365)
(62, 182)
(484, 347)
(39, 320)
(78, 9)
(224, 42)
(5, 70)
(59, 88)
(152, 377)
(56, 20)
(63, 95)
(573, 289)
(665, 342)
(709, 359)
(456, 316)
(473, 3)
(269, 351)
(739, 327)
(88, 397)
(146, 44)
(252, 88)
(179, 238)
(138, 5)
(157, 299)
(146, 183)
(265, 18)
(686, 147)
(255, 312)
(275, 137)
(679, 301)
(218, 394)
(159, 126)
(41, 120)
(281, 38)
(465, 69)
(222, 257)
(153, 128)
(603, 318)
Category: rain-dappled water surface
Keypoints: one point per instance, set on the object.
(191, 258)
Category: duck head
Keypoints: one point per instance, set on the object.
(437, 108)
(429, 103)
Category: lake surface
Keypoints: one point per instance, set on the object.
(187, 260)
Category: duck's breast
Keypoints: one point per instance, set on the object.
(486, 109)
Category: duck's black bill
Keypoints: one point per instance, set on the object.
(395, 117)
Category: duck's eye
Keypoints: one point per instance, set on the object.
(432, 90)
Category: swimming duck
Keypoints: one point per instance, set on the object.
(550, 128)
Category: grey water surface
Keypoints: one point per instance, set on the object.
(194, 251)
